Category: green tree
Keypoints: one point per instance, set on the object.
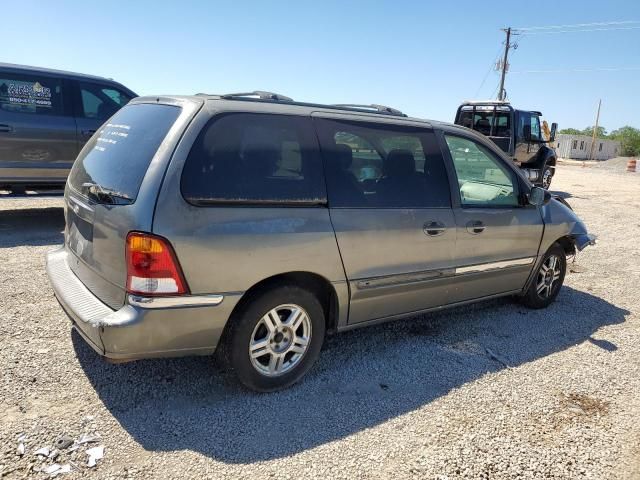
(571, 131)
(601, 132)
(629, 139)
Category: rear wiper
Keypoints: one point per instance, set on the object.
(106, 195)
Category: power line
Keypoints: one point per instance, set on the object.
(594, 24)
(567, 28)
(585, 69)
(582, 30)
(495, 91)
(491, 68)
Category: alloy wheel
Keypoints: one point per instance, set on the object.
(548, 276)
(280, 340)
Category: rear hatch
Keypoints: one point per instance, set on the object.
(112, 189)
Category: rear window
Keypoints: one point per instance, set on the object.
(247, 158)
(118, 155)
(486, 121)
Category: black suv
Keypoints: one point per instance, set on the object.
(46, 117)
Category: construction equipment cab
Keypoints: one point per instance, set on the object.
(519, 133)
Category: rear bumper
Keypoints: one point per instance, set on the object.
(143, 327)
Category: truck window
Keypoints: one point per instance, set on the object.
(482, 122)
(100, 101)
(31, 94)
(531, 122)
(535, 128)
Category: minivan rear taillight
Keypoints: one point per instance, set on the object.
(152, 267)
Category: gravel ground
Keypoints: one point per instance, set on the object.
(487, 391)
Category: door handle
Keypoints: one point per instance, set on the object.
(433, 229)
(4, 128)
(475, 227)
(88, 132)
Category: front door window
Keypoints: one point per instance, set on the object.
(100, 101)
(482, 180)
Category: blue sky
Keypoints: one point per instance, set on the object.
(421, 57)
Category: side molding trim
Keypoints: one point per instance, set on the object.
(430, 275)
(486, 267)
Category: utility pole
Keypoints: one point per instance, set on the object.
(501, 93)
(595, 131)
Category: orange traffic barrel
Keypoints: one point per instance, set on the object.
(631, 165)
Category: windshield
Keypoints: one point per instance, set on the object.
(117, 157)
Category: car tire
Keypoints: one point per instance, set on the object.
(275, 338)
(547, 176)
(548, 279)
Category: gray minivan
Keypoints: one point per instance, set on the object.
(253, 225)
(46, 116)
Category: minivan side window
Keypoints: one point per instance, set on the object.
(100, 101)
(482, 179)
(370, 165)
(246, 158)
(31, 94)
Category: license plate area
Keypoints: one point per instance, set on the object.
(79, 230)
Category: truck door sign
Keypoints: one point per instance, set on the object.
(27, 93)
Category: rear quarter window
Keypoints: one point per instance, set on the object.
(118, 155)
(242, 158)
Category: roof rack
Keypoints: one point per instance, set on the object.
(486, 102)
(258, 95)
(262, 95)
(377, 108)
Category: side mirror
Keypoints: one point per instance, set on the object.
(539, 196)
(526, 133)
(554, 127)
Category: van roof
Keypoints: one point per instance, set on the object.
(283, 105)
(28, 68)
(270, 97)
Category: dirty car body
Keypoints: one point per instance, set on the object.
(311, 218)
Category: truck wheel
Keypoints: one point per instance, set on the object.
(547, 176)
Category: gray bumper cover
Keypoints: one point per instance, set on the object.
(142, 328)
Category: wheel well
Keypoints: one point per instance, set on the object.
(545, 157)
(316, 284)
(567, 245)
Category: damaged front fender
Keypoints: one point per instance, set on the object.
(561, 222)
(583, 240)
